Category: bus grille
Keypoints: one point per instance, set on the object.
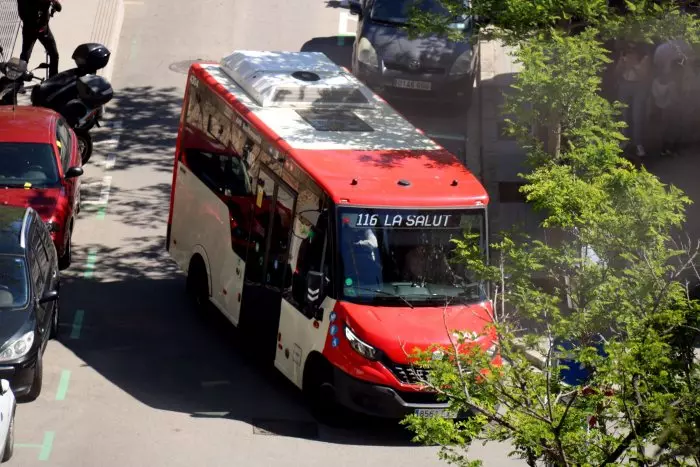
(409, 374)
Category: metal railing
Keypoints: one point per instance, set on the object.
(9, 25)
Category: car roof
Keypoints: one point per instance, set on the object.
(26, 124)
(11, 221)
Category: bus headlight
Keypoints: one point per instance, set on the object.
(17, 348)
(366, 53)
(360, 346)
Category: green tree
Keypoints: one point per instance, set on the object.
(608, 289)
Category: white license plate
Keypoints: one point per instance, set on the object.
(444, 413)
(408, 84)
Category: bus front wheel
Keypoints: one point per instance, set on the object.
(318, 390)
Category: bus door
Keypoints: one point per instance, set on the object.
(267, 273)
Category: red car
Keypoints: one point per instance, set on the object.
(40, 166)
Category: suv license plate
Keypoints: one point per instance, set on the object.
(408, 84)
(444, 413)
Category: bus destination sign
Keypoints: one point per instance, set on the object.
(400, 220)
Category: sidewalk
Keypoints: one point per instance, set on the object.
(80, 21)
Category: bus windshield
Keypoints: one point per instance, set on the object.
(395, 257)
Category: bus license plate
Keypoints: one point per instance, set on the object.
(444, 413)
(408, 84)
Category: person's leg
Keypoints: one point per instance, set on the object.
(675, 127)
(639, 111)
(624, 95)
(47, 40)
(668, 128)
(29, 37)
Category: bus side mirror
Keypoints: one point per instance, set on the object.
(314, 292)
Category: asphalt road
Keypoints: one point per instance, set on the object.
(136, 378)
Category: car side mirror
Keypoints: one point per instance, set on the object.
(4, 384)
(314, 292)
(49, 297)
(355, 8)
(74, 172)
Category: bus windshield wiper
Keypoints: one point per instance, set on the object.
(390, 294)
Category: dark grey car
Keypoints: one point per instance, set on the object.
(392, 64)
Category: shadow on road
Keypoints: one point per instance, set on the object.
(149, 118)
(141, 334)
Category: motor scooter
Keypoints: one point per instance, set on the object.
(78, 94)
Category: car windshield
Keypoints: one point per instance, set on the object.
(28, 165)
(394, 256)
(399, 12)
(14, 289)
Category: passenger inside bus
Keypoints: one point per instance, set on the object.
(427, 262)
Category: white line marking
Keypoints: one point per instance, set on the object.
(210, 384)
(110, 143)
(104, 192)
(111, 159)
(106, 185)
(342, 23)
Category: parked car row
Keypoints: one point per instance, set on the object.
(40, 169)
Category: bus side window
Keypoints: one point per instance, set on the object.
(227, 176)
(309, 242)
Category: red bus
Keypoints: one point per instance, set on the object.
(319, 221)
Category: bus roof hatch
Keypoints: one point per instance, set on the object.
(295, 79)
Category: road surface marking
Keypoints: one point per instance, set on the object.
(109, 163)
(46, 446)
(343, 27)
(63, 385)
(210, 384)
(104, 192)
(90, 263)
(111, 143)
(111, 159)
(77, 324)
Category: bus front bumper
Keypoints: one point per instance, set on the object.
(384, 402)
